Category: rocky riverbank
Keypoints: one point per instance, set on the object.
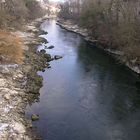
(20, 84)
(69, 25)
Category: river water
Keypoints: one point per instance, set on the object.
(87, 95)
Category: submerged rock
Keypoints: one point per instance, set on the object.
(35, 117)
(49, 67)
(43, 70)
(57, 57)
(50, 47)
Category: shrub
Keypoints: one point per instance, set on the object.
(10, 48)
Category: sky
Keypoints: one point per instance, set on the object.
(57, 0)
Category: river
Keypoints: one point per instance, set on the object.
(86, 95)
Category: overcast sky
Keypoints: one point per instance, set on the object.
(57, 0)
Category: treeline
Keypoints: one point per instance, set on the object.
(16, 12)
(114, 22)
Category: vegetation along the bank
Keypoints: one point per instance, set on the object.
(19, 63)
(14, 14)
(115, 23)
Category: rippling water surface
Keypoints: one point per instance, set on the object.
(86, 95)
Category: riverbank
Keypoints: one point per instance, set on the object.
(69, 25)
(20, 84)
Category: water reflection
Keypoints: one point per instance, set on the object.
(86, 95)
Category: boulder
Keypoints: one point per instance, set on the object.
(35, 117)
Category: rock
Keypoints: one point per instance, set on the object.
(7, 96)
(50, 59)
(32, 31)
(27, 68)
(48, 56)
(43, 70)
(35, 117)
(19, 128)
(2, 82)
(4, 70)
(29, 124)
(49, 67)
(46, 41)
(57, 57)
(43, 32)
(1, 58)
(42, 40)
(43, 51)
(34, 83)
(50, 47)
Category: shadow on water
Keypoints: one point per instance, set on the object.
(87, 95)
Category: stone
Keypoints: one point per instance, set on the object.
(50, 59)
(29, 124)
(19, 128)
(1, 58)
(35, 117)
(49, 67)
(42, 40)
(43, 51)
(57, 57)
(43, 32)
(43, 70)
(7, 96)
(50, 47)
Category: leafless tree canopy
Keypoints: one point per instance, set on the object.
(116, 22)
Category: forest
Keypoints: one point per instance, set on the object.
(16, 12)
(114, 22)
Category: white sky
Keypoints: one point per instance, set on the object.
(57, 0)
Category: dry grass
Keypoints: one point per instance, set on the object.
(10, 48)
